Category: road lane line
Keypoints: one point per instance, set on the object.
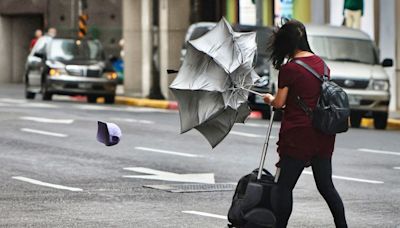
(349, 178)
(379, 151)
(41, 183)
(249, 135)
(133, 120)
(12, 100)
(206, 214)
(46, 120)
(44, 132)
(168, 152)
(396, 168)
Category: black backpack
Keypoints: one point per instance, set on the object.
(252, 202)
(332, 111)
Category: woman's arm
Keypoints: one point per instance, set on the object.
(279, 100)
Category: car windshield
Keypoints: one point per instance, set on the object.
(343, 49)
(70, 50)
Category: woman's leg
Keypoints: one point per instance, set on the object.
(282, 198)
(322, 170)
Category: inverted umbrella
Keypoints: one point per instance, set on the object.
(214, 80)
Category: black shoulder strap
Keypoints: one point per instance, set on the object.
(312, 71)
(300, 101)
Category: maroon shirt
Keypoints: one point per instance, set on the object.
(297, 137)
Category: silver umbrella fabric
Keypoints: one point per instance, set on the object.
(213, 82)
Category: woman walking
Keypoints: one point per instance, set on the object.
(300, 145)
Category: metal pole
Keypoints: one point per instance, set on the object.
(259, 12)
(265, 147)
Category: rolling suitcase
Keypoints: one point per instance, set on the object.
(252, 201)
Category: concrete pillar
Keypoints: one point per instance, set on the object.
(137, 30)
(388, 40)
(396, 81)
(173, 22)
(268, 17)
(318, 12)
(6, 47)
(302, 10)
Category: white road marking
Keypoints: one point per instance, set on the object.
(152, 174)
(249, 135)
(44, 132)
(33, 181)
(46, 120)
(379, 151)
(168, 152)
(14, 101)
(349, 178)
(38, 105)
(205, 214)
(133, 120)
(93, 107)
(396, 168)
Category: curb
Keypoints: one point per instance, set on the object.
(393, 124)
(149, 103)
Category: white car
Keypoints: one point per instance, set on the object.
(354, 63)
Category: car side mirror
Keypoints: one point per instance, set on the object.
(387, 63)
(39, 55)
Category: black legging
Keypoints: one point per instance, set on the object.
(289, 174)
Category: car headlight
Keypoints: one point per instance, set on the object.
(380, 85)
(54, 72)
(111, 75)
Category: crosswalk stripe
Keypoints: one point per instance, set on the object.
(205, 214)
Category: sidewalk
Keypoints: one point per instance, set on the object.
(393, 121)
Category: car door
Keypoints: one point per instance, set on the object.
(35, 64)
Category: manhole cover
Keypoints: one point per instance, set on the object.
(180, 188)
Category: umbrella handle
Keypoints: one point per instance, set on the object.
(253, 92)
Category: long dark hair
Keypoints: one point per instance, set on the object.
(285, 40)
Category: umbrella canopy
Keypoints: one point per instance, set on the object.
(212, 84)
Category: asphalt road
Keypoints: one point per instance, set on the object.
(55, 174)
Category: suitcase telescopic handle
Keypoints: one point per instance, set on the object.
(266, 142)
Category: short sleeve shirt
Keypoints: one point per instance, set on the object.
(298, 138)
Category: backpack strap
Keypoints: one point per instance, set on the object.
(312, 71)
(300, 102)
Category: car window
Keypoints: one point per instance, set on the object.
(344, 49)
(69, 50)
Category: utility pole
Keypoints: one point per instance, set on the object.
(83, 17)
(259, 12)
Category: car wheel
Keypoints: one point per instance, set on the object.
(266, 114)
(355, 119)
(109, 99)
(380, 120)
(47, 96)
(92, 99)
(29, 95)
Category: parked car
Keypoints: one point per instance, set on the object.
(354, 63)
(262, 60)
(69, 67)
